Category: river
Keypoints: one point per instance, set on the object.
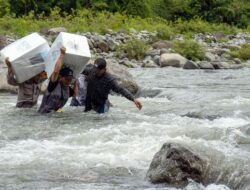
(207, 111)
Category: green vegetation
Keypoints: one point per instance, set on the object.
(243, 53)
(232, 12)
(189, 49)
(88, 20)
(167, 17)
(135, 49)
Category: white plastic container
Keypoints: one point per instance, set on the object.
(77, 52)
(27, 56)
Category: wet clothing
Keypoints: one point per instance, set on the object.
(28, 91)
(103, 108)
(99, 88)
(79, 100)
(55, 97)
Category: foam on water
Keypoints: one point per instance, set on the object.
(75, 150)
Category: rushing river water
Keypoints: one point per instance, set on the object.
(208, 111)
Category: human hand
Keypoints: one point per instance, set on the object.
(43, 76)
(63, 50)
(7, 62)
(138, 103)
(40, 77)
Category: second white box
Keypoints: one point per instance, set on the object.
(77, 52)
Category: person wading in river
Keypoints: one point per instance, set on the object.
(99, 86)
(59, 90)
(29, 90)
(82, 83)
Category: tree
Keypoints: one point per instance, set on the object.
(21, 7)
(174, 9)
(138, 8)
(4, 7)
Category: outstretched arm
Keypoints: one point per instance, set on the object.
(124, 92)
(58, 66)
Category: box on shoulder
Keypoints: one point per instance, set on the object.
(77, 52)
(27, 56)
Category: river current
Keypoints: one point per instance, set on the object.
(206, 111)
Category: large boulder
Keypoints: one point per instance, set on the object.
(103, 46)
(190, 65)
(162, 44)
(205, 65)
(220, 65)
(124, 78)
(174, 165)
(56, 31)
(172, 59)
(112, 44)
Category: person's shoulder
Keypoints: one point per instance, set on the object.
(109, 76)
(91, 75)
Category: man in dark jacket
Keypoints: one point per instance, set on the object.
(99, 86)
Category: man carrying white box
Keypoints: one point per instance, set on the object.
(25, 59)
(76, 57)
(59, 90)
(29, 90)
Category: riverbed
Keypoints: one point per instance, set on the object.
(206, 111)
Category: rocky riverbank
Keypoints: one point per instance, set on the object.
(159, 53)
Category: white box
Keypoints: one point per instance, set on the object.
(27, 56)
(77, 52)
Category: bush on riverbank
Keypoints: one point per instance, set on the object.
(87, 20)
(189, 49)
(243, 53)
(232, 12)
(135, 49)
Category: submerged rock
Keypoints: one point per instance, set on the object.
(198, 115)
(174, 165)
(150, 93)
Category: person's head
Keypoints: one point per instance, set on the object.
(100, 65)
(66, 76)
(40, 77)
(87, 69)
